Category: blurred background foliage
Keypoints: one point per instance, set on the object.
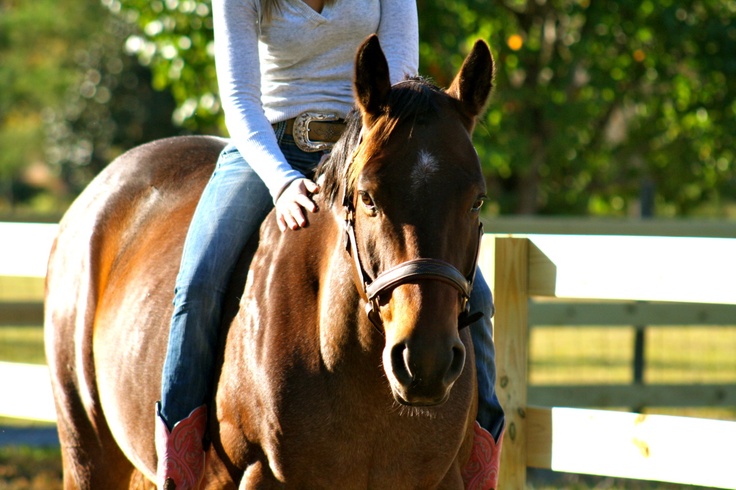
(594, 102)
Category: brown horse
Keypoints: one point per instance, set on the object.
(311, 391)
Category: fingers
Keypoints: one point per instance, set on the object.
(312, 187)
(292, 203)
(291, 217)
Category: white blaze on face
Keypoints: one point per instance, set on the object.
(426, 165)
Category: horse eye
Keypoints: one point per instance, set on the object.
(365, 198)
(477, 205)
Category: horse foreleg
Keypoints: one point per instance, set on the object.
(90, 456)
(453, 479)
(259, 476)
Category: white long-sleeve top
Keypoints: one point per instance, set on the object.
(299, 61)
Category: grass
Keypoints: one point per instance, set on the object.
(548, 480)
(20, 288)
(563, 355)
(595, 355)
(22, 344)
(24, 468)
(692, 355)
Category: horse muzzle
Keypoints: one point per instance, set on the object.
(421, 375)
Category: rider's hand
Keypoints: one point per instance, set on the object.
(292, 203)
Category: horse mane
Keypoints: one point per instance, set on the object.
(412, 101)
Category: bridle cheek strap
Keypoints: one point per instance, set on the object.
(410, 271)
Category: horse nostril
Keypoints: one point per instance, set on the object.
(399, 353)
(457, 364)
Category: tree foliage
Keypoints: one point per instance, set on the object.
(176, 41)
(71, 99)
(593, 100)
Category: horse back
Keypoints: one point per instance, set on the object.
(108, 292)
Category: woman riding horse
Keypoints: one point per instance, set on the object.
(284, 75)
(299, 399)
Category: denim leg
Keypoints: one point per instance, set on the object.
(232, 207)
(490, 414)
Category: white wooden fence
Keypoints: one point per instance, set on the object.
(626, 445)
(25, 389)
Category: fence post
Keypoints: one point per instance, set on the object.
(646, 212)
(510, 289)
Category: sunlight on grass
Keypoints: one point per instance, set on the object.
(601, 356)
(585, 355)
(22, 344)
(580, 355)
(17, 288)
(27, 468)
(691, 355)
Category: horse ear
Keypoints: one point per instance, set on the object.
(372, 83)
(472, 85)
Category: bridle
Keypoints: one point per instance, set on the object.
(371, 289)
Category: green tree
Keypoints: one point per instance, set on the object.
(71, 98)
(33, 75)
(175, 39)
(592, 98)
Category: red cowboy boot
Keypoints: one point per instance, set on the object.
(481, 470)
(181, 452)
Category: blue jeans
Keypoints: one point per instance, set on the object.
(490, 414)
(232, 207)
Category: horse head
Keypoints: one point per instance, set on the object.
(412, 190)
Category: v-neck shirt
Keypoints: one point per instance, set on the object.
(302, 60)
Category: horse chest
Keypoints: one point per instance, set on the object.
(359, 454)
(339, 433)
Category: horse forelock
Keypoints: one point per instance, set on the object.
(333, 170)
(411, 102)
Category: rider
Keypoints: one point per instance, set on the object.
(277, 59)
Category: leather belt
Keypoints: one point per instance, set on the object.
(315, 131)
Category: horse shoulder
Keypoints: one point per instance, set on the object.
(271, 338)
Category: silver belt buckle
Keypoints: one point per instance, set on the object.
(301, 131)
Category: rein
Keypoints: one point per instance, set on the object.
(413, 270)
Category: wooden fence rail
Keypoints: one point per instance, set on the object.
(650, 447)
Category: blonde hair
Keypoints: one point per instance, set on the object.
(267, 7)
